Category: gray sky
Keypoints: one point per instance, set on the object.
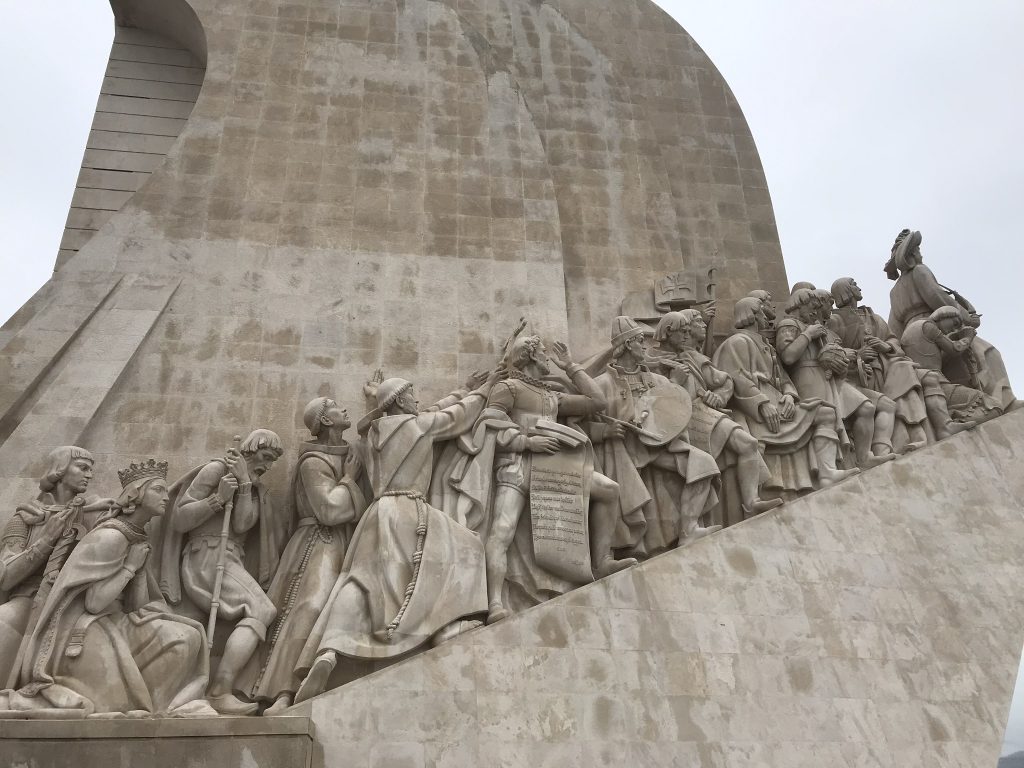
(870, 116)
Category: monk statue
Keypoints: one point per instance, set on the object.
(878, 362)
(680, 337)
(641, 442)
(818, 364)
(105, 643)
(36, 543)
(799, 435)
(192, 552)
(917, 294)
(412, 573)
(329, 498)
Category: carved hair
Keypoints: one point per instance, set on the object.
(745, 313)
(842, 291)
(946, 313)
(823, 297)
(523, 350)
(59, 460)
(260, 439)
(313, 414)
(675, 321)
(801, 297)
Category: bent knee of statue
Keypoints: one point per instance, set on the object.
(603, 488)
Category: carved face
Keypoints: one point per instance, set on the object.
(760, 318)
(261, 461)
(541, 360)
(77, 475)
(337, 415)
(636, 346)
(407, 402)
(855, 291)
(155, 498)
(766, 305)
(949, 325)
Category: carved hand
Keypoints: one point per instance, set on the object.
(787, 408)
(868, 354)
(560, 354)
(541, 444)
(771, 416)
(710, 313)
(815, 331)
(136, 557)
(353, 466)
(227, 487)
(54, 525)
(614, 431)
(713, 399)
(237, 466)
(370, 387)
(476, 379)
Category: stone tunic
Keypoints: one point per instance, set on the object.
(759, 378)
(661, 485)
(893, 373)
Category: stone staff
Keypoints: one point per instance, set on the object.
(222, 553)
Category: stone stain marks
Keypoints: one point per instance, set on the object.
(741, 560)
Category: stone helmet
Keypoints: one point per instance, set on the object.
(389, 390)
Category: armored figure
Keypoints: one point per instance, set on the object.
(799, 435)
(641, 442)
(105, 642)
(36, 543)
(196, 543)
(328, 500)
(681, 337)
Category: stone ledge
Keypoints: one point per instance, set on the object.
(156, 728)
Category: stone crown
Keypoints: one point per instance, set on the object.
(142, 471)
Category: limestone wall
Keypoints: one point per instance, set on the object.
(383, 183)
(878, 623)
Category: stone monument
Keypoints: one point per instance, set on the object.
(291, 211)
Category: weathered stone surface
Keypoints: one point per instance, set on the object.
(366, 184)
(876, 623)
(223, 742)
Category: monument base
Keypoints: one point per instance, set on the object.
(228, 742)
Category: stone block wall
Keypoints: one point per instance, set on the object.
(374, 183)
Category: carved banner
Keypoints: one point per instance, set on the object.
(559, 498)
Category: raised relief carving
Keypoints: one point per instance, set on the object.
(412, 571)
(917, 294)
(219, 512)
(665, 483)
(105, 643)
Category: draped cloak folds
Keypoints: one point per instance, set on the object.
(411, 569)
(916, 294)
(656, 483)
(759, 378)
(893, 374)
(269, 535)
(26, 565)
(327, 506)
(140, 661)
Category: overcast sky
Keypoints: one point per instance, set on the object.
(870, 116)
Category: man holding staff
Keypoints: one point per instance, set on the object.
(192, 553)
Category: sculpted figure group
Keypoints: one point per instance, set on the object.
(198, 598)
